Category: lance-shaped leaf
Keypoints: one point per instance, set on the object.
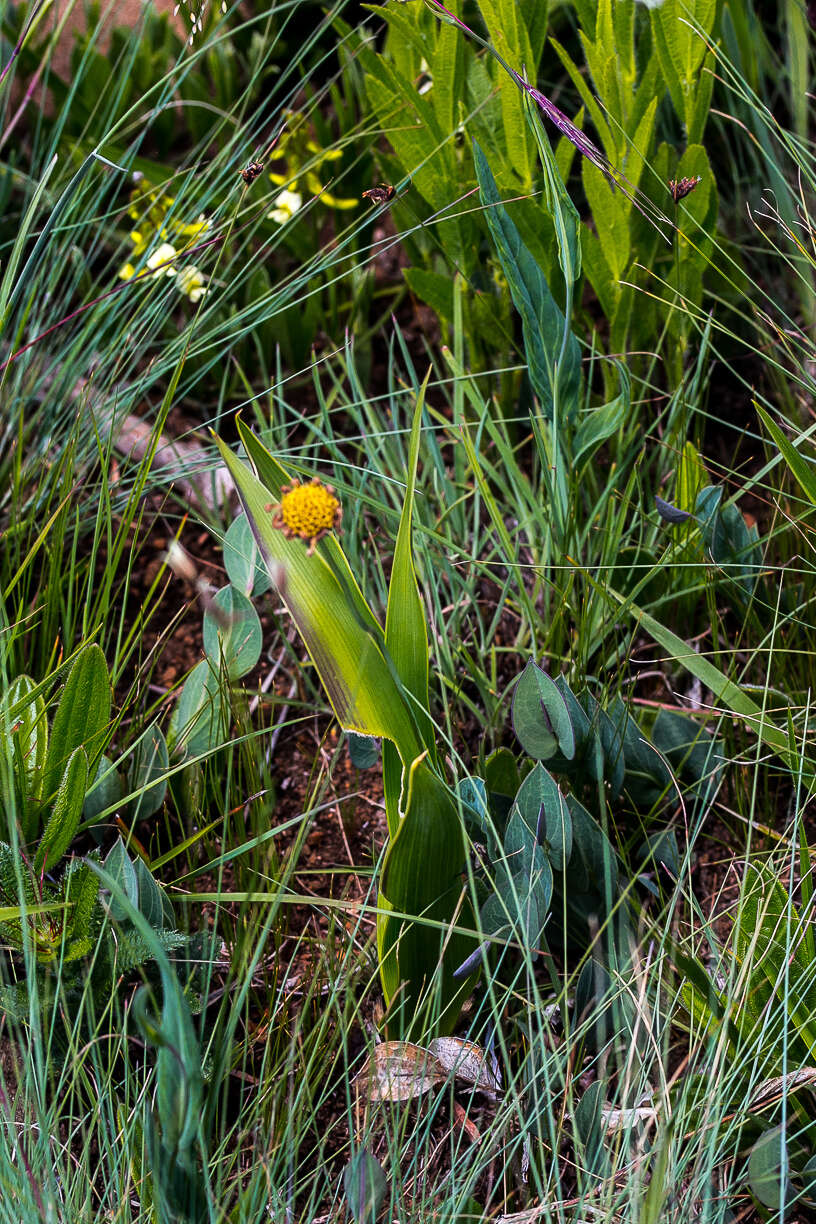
(406, 633)
(552, 351)
(338, 628)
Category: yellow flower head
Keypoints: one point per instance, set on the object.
(308, 511)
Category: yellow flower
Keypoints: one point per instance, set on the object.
(308, 511)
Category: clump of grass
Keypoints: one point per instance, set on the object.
(641, 1106)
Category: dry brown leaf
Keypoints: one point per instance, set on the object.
(399, 1071)
(774, 1089)
(468, 1062)
(619, 1119)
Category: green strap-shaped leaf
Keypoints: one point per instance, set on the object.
(566, 218)
(422, 876)
(82, 716)
(338, 628)
(774, 938)
(800, 467)
(552, 351)
(406, 634)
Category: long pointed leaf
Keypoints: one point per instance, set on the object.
(406, 634)
(338, 628)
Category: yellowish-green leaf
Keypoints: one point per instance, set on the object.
(691, 478)
(338, 628)
(406, 636)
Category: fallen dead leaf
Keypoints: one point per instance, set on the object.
(399, 1071)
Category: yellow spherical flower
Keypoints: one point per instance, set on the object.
(307, 511)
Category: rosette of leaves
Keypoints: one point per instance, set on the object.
(80, 939)
(44, 790)
(54, 922)
(546, 845)
(61, 775)
(542, 843)
(592, 745)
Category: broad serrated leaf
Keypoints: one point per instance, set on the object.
(28, 736)
(82, 717)
(65, 815)
(81, 887)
